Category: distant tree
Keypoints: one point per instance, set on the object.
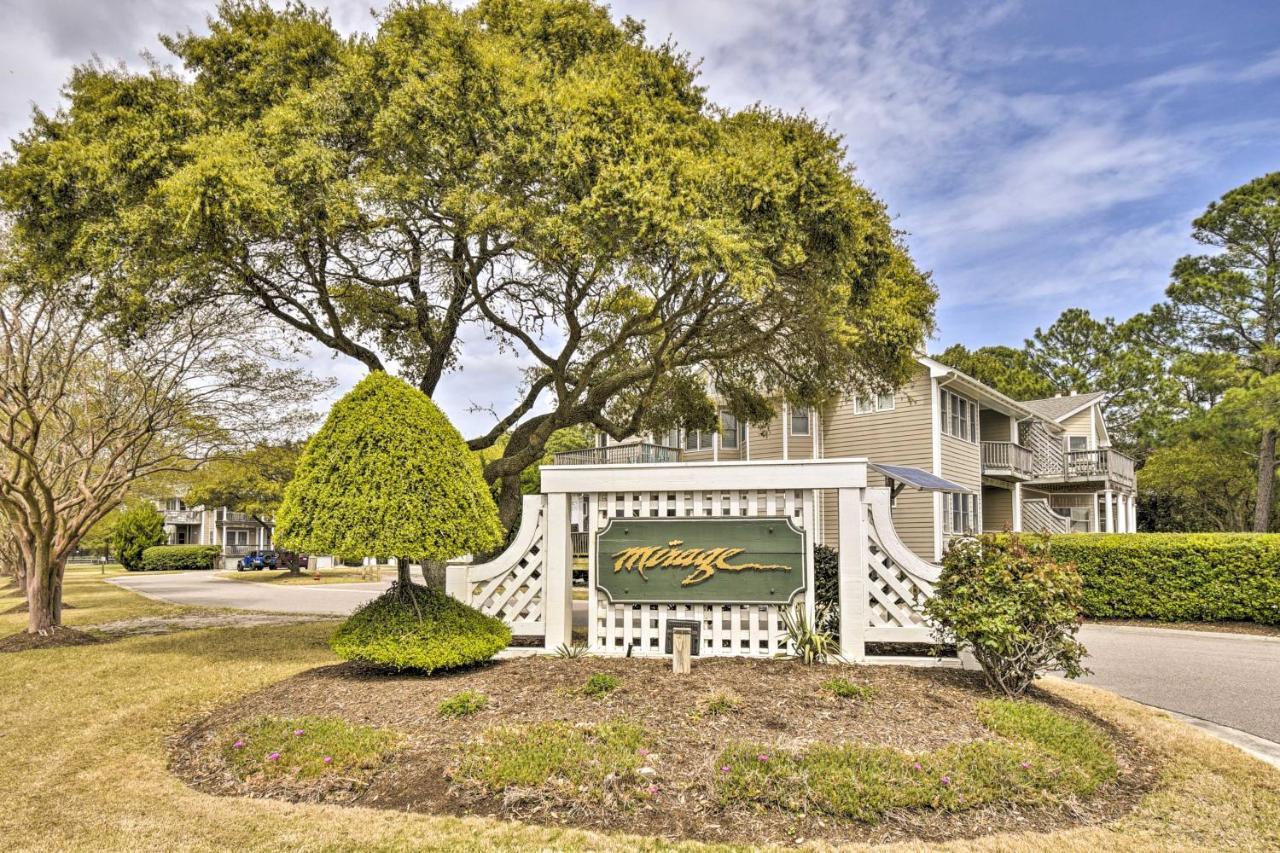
(388, 475)
(86, 414)
(1225, 307)
(252, 481)
(527, 169)
(135, 529)
(1010, 371)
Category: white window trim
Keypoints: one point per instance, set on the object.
(808, 420)
(947, 403)
(873, 404)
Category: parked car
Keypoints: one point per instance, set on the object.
(257, 561)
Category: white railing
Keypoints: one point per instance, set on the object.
(899, 581)
(1039, 517)
(633, 453)
(1006, 456)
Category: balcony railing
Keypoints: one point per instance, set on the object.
(1099, 464)
(1006, 457)
(182, 516)
(619, 454)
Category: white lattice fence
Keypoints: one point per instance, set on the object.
(512, 586)
(725, 629)
(898, 581)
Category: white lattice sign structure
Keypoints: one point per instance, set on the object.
(882, 584)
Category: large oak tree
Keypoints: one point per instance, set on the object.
(526, 171)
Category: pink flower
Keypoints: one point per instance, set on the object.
(724, 769)
(275, 756)
(1026, 765)
(238, 744)
(642, 751)
(762, 757)
(653, 789)
(328, 759)
(298, 732)
(917, 766)
(946, 780)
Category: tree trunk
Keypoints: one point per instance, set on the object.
(1266, 482)
(402, 571)
(433, 573)
(509, 502)
(44, 595)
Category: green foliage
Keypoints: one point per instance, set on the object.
(1177, 577)
(591, 762)
(135, 529)
(1041, 756)
(638, 233)
(1010, 371)
(252, 482)
(419, 628)
(826, 585)
(846, 689)
(808, 643)
(305, 748)
(160, 558)
(463, 704)
(600, 684)
(388, 474)
(570, 651)
(1014, 605)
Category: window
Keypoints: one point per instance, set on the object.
(729, 431)
(959, 513)
(1077, 442)
(867, 405)
(697, 440)
(799, 421)
(959, 416)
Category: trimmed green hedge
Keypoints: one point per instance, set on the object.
(1193, 577)
(440, 632)
(159, 558)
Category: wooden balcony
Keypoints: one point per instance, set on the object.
(182, 516)
(632, 453)
(1006, 459)
(1110, 467)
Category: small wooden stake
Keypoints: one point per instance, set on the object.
(681, 651)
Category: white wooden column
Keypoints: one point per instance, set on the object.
(1131, 502)
(786, 431)
(1108, 498)
(1017, 507)
(224, 530)
(715, 445)
(558, 593)
(853, 574)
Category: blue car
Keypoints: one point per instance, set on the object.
(257, 561)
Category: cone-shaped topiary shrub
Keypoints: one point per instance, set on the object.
(388, 475)
(417, 627)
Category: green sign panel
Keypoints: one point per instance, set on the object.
(730, 560)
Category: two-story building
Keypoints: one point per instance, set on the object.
(961, 457)
(237, 533)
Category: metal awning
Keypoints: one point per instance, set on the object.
(902, 475)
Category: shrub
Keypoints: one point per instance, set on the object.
(134, 530)
(719, 703)
(846, 689)
(826, 587)
(305, 747)
(1017, 610)
(600, 684)
(1177, 576)
(463, 704)
(420, 628)
(808, 644)
(160, 558)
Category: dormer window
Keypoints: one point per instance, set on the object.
(1077, 442)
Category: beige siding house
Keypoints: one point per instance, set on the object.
(1042, 465)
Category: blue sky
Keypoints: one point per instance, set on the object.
(1038, 155)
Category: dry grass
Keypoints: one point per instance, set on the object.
(83, 733)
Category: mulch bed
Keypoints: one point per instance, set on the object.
(781, 704)
(56, 638)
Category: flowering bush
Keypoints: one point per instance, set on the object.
(1006, 600)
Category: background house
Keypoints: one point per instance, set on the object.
(237, 533)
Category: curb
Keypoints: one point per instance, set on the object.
(1182, 632)
(1260, 748)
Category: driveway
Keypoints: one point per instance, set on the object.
(1229, 679)
(206, 589)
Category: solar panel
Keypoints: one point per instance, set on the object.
(919, 479)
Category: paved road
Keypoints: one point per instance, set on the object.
(206, 589)
(1229, 679)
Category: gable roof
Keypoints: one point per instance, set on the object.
(1057, 408)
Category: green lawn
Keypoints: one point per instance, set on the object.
(83, 732)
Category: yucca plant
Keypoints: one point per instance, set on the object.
(808, 643)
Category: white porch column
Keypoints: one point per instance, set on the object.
(224, 529)
(786, 431)
(1132, 501)
(715, 446)
(259, 535)
(1017, 507)
(1108, 498)
(853, 574)
(558, 593)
